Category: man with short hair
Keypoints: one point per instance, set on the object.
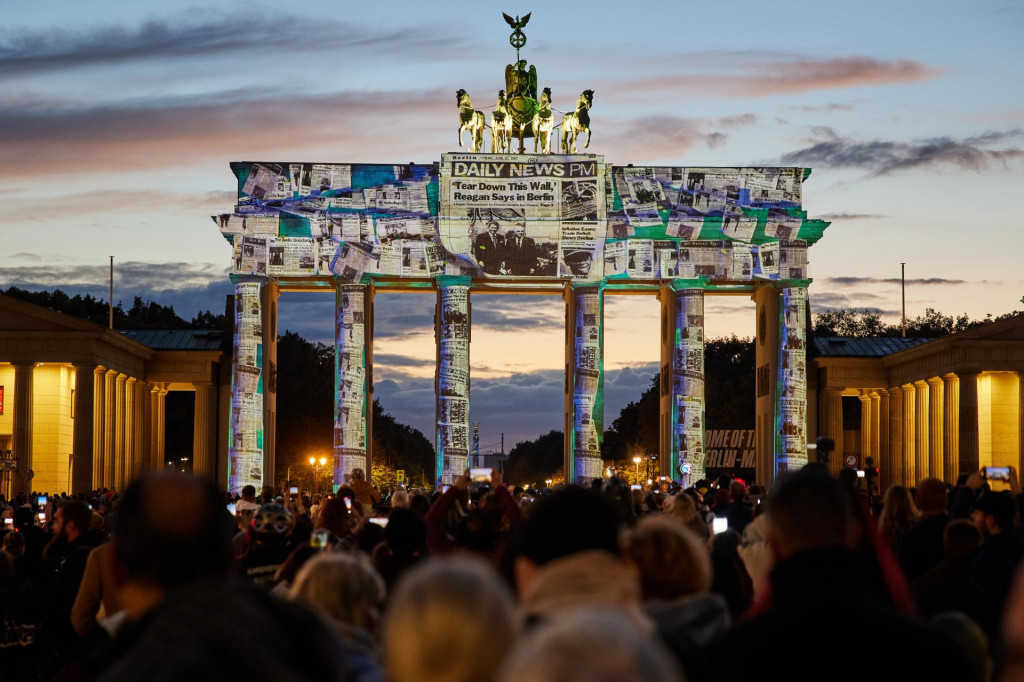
(921, 549)
(68, 552)
(994, 515)
(821, 606)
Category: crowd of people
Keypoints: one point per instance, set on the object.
(812, 579)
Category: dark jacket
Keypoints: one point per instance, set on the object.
(688, 625)
(816, 627)
(921, 549)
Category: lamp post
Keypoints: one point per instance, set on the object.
(547, 482)
(636, 466)
(317, 468)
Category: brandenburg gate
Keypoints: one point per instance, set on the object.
(505, 222)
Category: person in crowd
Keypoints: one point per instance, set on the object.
(731, 579)
(272, 529)
(898, 515)
(68, 553)
(400, 499)
(96, 591)
(364, 493)
(450, 619)
(348, 592)
(922, 546)
(963, 634)
(186, 618)
(404, 545)
(993, 566)
(756, 555)
(335, 517)
(682, 508)
(569, 557)
(589, 645)
(21, 611)
(737, 510)
(247, 502)
(675, 583)
(949, 586)
(818, 591)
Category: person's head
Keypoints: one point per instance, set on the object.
(342, 586)
(898, 508)
(492, 227)
(171, 531)
(579, 262)
(334, 516)
(931, 496)
(400, 499)
(273, 523)
(405, 533)
(737, 491)
(14, 545)
(959, 632)
(808, 509)
(960, 539)
(519, 230)
(672, 561)
(449, 619)
(994, 512)
(71, 520)
(358, 475)
(589, 645)
(681, 508)
(249, 493)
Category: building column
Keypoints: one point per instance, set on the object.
(160, 427)
(831, 424)
(353, 403)
(969, 449)
(23, 418)
(791, 378)
(936, 441)
(125, 469)
(82, 433)
(584, 382)
(204, 431)
(452, 331)
(951, 427)
(248, 383)
(109, 427)
(682, 383)
(884, 442)
(876, 425)
(909, 435)
(921, 429)
(1020, 422)
(140, 450)
(99, 421)
(119, 431)
(897, 456)
(867, 428)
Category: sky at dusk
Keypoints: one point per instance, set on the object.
(118, 121)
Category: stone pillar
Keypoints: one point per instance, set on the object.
(867, 428)
(897, 456)
(125, 468)
(884, 441)
(969, 449)
(682, 383)
(353, 403)
(82, 434)
(951, 427)
(876, 426)
(160, 427)
(584, 384)
(831, 421)
(99, 421)
(248, 383)
(909, 435)
(1020, 422)
(791, 398)
(452, 332)
(23, 414)
(204, 431)
(109, 427)
(154, 402)
(936, 441)
(921, 429)
(117, 473)
(140, 455)
(268, 350)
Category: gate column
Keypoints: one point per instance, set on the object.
(451, 380)
(682, 381)
(245, 447)
(353, 384)
(791, 379)
(584, 381)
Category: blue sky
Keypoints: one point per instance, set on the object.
(118, 121)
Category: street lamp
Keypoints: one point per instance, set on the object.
(636, 465)
(317, 468)
(547, 482)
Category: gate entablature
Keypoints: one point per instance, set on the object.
(471, 222)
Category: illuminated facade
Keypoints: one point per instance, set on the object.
(569, 225)
(938, 408)
(83, 405)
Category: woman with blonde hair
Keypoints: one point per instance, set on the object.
(898, 514)
(683, 510)
(450, 619)
(347, 590)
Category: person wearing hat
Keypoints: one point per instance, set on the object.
(579, 262)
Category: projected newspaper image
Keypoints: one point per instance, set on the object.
(245, 451)
(792, 418)
(350, 402)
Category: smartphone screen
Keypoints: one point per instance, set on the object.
(635, 487)
(42, 516)
(720, 524)
(381, 521)
(294, 490)
(231, 508)
(997, 473)
(319, 538)
(480, 475)
(348, 504)
(444, 488)
(860, 473)
(8, 522)
(41, 500)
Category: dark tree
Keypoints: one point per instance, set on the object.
(534, 461)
